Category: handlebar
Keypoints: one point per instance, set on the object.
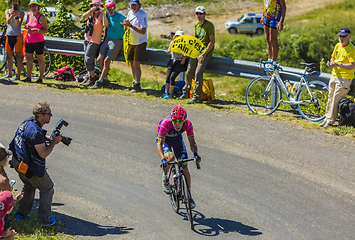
(181, 161)
(270, 65)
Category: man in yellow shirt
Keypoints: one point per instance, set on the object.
(343, 64)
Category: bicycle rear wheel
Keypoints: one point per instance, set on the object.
(35, 70)
(314, 110)
(261, 101)
(174, 196)
(186, 198)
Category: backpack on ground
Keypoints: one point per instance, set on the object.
(65, 74)
(346, 109)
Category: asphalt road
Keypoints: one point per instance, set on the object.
(259, 178)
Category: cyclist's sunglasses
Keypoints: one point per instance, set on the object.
(178, 121)
(110, 8)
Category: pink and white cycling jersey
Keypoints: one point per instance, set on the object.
(166, 129)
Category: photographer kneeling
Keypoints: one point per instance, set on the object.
(29, 160)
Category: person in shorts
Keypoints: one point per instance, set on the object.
(14, 18)
(273, 21)
(37, 26)
(169, 138)
(112, 44)
(137, 22)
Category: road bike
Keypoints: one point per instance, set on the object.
(180, 187)
(35, 70)
(263, 94)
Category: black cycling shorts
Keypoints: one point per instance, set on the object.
(35, 47)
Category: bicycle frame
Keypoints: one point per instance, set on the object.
(275, 76)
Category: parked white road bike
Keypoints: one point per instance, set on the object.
(263, 94)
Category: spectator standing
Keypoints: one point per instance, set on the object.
(32, 171)
(37, 27)
(96, 21)
(112, 44)
(177, 63)
(14, 18)
(137, 22)
(5, 186)
(343, 64)
(204, 30)
(273, 22)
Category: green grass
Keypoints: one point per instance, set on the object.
(29, 229)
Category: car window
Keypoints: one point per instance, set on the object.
(258, 20)
(248, 20)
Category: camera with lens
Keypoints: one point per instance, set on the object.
(90, 27)
(56, 132)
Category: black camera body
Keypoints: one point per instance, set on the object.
(56, 132)
(90, 27)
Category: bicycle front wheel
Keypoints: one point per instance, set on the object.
(174, 196)
(186, 198)
(313, 109)
(261, 100)
(35, 69)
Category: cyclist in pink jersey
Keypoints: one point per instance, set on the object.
(37, 27)
(169, 137)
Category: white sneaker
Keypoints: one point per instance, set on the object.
(323, 123)
(327, 124)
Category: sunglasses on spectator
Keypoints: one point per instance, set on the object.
(198, 13)
(178, 121)
(49, 113)
(343, 36)
(110, 8)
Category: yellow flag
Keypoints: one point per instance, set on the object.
(126, 38)
(189, 46)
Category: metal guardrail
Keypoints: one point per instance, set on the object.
(217, 65)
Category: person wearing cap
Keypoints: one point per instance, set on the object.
(204, 30)
(112, 44)
(96, 21)
(14, 18)
(37, 26)
(137, 23)
(177, 63)
(29, 153)
(342, 62)
(5, 184)
(6, 206)
(273, 21)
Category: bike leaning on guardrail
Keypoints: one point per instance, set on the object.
(263, 94)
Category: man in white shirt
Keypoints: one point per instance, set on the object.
(137, 22)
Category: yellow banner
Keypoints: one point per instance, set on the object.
(189, 46)
(126, 38)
